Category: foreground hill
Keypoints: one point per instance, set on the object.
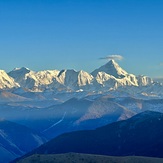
(87, 158)
(140, 135)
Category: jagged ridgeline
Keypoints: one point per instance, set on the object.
(107, 77)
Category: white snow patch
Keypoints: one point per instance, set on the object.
(56, 122)
(38, 139)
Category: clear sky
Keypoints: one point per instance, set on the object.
(74, 34)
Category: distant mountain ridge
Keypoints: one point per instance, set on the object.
(108, 77)
(76, 114)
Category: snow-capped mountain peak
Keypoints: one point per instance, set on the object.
(111, 68)
(6, 81)
(19, 72)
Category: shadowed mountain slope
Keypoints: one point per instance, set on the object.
(140, 135)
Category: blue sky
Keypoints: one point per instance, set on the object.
(74, 34)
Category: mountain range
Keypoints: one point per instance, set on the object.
(88, 112)
(107, 77)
